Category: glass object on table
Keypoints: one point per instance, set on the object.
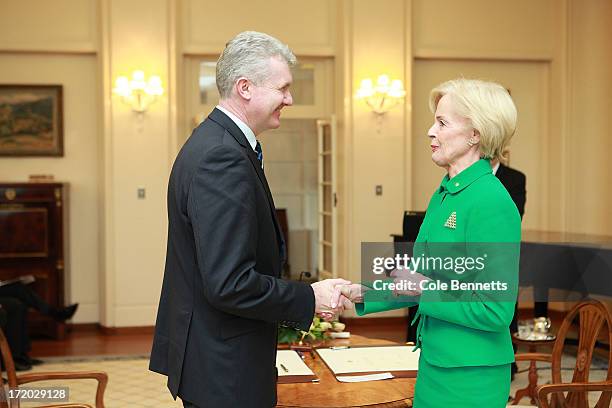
(541, 325)
(537, 329)
(525, 329)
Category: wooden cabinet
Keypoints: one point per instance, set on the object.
(33, 241)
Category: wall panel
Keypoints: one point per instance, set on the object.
(521, 29)
(308, 26)
(590, 139)
(39, 25)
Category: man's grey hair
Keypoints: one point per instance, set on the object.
(247, 55)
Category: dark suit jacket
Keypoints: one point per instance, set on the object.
(515, 182)
(222, 298)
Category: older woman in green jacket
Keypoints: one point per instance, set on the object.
(465, 343)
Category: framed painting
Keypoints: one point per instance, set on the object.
(31, 120)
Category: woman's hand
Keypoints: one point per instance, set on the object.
(353, 292)
(410, 280)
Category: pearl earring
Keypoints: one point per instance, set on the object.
(471, 142)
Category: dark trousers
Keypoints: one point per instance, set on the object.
(27, 296)
(187, 404)
(13, 317)
(514, 329)
(540, 309)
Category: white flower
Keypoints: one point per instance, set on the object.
(324, 326)
(337, 326)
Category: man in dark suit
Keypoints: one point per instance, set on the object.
(222, 297)
(515, 182)
(14, 324)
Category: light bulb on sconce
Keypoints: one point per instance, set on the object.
(382, 96)
(138, 92)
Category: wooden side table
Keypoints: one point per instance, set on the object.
(530, 390)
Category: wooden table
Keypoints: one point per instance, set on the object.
(552, 237)
(530, 390)
(329, 392)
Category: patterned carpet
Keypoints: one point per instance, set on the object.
(598, 372)
(132, 385)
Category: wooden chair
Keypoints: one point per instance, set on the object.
(593, 316)
(281, 216)
(14, 380)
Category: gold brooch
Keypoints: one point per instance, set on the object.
(451, 222)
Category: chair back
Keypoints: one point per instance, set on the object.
(11, 375)
(593, 317)
(13, 380)
(281, 216)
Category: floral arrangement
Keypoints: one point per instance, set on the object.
(319, 330)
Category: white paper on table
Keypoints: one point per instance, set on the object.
(294, 364)
(370, 359)
(363, 378)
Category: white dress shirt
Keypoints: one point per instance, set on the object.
(495, 168)
(243, 126)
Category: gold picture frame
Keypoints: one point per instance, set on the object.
(31, 120)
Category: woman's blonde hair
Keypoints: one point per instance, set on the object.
(487, 105)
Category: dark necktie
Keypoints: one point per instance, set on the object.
(259, 153)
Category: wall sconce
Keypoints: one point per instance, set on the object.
(137, 92)
(382, 97)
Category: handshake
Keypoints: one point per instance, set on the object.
(333, 296)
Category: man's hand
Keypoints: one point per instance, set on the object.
(353, 292)
(328, 300)
(406, 276)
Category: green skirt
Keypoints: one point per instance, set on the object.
(462, 387)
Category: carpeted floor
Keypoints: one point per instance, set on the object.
(598, 372)
(132, 385)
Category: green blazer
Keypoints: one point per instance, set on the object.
(472, 329)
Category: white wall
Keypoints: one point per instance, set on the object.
(559, 47)
(511, 43)
(78, 167)
(373, 150)
(589, 143)
(307, 26)
(41, 43)
(137, 154)
(60, 26)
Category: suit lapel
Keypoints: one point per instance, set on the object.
(501, 173)
(222, 119)
(500, 170)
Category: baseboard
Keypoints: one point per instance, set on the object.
(108, 331)
(112, 331)
(82, 327)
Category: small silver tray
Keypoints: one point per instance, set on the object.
(536, 337)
